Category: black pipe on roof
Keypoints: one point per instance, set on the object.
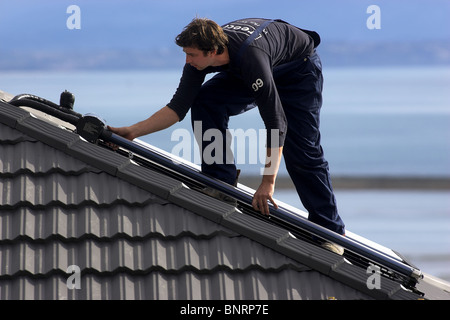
(44, 105)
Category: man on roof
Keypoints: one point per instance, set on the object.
(271, 65)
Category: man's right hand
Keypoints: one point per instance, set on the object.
(125, 132)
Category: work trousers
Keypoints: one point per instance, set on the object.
(299, 85)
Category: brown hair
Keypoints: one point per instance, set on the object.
(203, 34)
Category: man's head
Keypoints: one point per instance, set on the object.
(203, 34)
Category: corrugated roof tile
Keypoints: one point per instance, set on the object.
(46, 132)
(151, 181)
(156, 219)
(202, 204)
(11, 136)
(107, 160)
(12, 115)
(67, 191)
(222, 285)
(27, 158)
(142, 256)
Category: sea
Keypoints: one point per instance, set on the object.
(391, 121)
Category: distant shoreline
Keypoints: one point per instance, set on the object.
(364, 182)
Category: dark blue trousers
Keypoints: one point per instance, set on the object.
(299, 86)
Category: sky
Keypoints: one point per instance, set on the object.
(41, 24)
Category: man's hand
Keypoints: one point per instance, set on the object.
(267, 186)
(160, 120)
(262, 196)
(123, 132)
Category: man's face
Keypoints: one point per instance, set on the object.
(197, 58)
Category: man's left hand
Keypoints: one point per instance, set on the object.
(262, 197)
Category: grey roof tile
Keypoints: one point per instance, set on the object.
(149, 180)
(24, 158)
(156, 219)
(109, 161)
(201, 204)
(142, 255)
(253, 285)
(46, 132)
(11, 136)
(12, 115)
(68, 191)
(222, 285)
(258, 229)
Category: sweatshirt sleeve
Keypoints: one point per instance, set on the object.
(258, 76)
(188, 88)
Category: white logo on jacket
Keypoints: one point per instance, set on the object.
(257, 84)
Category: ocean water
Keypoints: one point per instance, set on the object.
(413, 223)
(375, 121)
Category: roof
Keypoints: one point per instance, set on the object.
(136, 233)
